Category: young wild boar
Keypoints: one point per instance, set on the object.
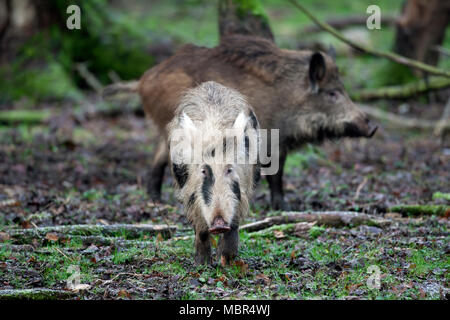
(215, 188)
(298, 92)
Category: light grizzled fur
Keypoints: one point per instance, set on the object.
(203, 114)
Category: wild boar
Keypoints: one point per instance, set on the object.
(214, 188)
(298, 92)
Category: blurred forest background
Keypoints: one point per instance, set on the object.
(122, 39)
(72, 166)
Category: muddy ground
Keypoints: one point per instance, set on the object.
(87, 168)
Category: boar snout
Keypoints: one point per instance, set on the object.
(362, 127)
(219, 226)
(372, 129)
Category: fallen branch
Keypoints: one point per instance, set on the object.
(400, 121)
(16, 248)
(35, 294)
(24, 116)
(328, 218)
(445, 119)
(54, 233)
(417, 210)
(349, 21)
(400, 92)
(384, 54)
(90, 79)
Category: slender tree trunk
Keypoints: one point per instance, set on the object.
(421, 28)
(243, 17)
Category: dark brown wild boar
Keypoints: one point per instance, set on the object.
(298, 92)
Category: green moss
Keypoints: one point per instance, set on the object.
(441, 195)
(244, 7)
(415, 210)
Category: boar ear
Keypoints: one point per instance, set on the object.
(187, 123)
(240, 122)
(317, 69)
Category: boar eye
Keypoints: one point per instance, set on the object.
(228, 170)
(333, 94)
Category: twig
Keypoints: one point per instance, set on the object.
(348, 21)
(358, 190)
(90, 79)
(400, 121)
(444, 121)
(329, 218)
(384, 54)
(402, 91)
(59, 250)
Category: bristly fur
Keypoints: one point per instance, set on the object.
(289, 90)
(213, 109)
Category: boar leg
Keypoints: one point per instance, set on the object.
(156, 173)
(202, 246)
(228, 245)
(276, 186)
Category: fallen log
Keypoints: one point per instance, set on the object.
(24, 116)
(35, 294)
(128, 231)
(328, 218)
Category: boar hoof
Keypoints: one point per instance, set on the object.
(279, 204)
(202, 260)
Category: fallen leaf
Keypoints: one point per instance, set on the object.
(423, 294)
(241, 265)
(279, 234)
(262, 277)
(26, 224)
(293, 254)
(124, 294)
(159, 238)
(51, 236)
(4, 236)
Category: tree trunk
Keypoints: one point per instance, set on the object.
(421, 28)
(243, 17)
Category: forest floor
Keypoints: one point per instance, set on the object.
(83, 168)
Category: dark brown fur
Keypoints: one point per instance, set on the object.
(278, 84)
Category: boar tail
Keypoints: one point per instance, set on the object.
(130, 87)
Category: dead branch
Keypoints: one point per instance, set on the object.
(402, 91)
(348, 21)
(35, 294)
(127, 230)
(90, 79)
(400, 121)
(443, 123)
(417, 210)
(384, 54)
(328, 218)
